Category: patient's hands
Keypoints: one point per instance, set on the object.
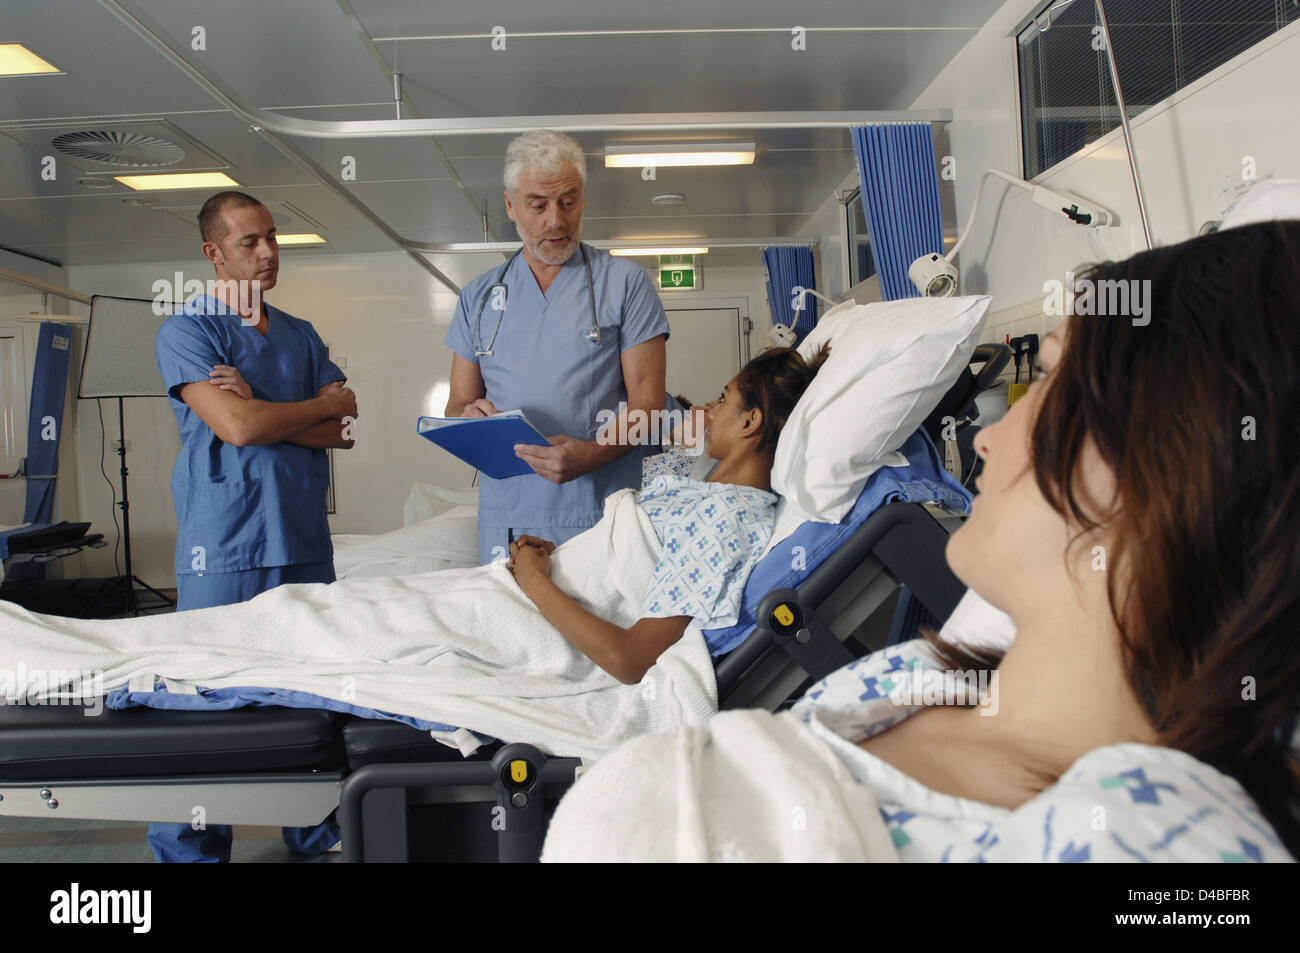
(530, 558)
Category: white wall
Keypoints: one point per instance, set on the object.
(826, 227)
(13, 493)
(1186, 147)
(734, 274)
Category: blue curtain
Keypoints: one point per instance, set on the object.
(900, 196)
(44, 428)
(787, 269)
(45, 420)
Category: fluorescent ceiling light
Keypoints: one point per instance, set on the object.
(665, 154)
(301, 238)
(658, 251)
(17, 60)
(178, 180)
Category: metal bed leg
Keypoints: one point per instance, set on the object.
(383, 813)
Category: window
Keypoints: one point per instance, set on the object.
(861, 263)
(1161, 46)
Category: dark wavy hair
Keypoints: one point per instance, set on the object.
(773, 382)
(1198, 415)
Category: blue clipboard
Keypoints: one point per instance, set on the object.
(485, 443)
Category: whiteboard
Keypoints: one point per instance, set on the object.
(119, 360)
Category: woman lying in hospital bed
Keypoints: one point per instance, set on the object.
(1139, 520)
(712, 533)
(475, 650)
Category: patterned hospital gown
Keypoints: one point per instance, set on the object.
(1128, 802)
(712, 535)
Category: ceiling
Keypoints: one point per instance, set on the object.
(333, 60)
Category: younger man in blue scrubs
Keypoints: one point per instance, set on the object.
(258, 402)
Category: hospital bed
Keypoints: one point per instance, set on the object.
(402, 796)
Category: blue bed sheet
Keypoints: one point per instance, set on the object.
(221, 699)
(922, 480)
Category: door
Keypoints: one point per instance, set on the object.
(13, 423)
(704, 351)
(13, 400)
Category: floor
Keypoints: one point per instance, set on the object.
(36, 840)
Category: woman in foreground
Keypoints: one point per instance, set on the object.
(1139, 519)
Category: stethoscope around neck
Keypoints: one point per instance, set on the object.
(593, 334)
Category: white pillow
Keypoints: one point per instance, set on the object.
(1267, 200)
(890, 364)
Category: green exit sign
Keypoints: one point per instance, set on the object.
(676, 272)
(676, 277)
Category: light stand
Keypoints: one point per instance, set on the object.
(119, 363)
(124, 586)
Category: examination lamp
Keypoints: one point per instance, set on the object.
(935, 276)
(782, 335)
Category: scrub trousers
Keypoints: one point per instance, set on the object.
(181, 843)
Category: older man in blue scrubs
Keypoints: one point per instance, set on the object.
(258, 402)
(536, 346)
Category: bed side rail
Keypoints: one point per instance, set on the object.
(519, 783)
(910, 544)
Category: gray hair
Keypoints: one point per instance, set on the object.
(545, 151)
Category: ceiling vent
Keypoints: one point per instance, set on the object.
(119, 148)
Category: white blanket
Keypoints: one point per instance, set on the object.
(464, 647)
(748, 786)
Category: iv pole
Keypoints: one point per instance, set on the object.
(1123, 118)
(1119, 101)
